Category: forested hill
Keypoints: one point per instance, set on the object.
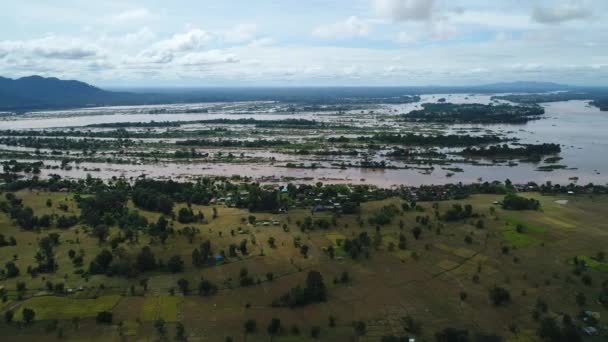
(35, 92)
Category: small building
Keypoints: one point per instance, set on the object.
(590, 331)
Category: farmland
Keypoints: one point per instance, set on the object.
(438, 278)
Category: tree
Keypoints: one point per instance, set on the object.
(185, 215)
(159, 324)
(8, 316)
(402, 242)
(360, 328)
(274, 327)
(180, 332)
(581, 299)
(11, 269)
(101, 232)
(101, 263)
(315, 332)
(144, 283)
(452, 335)
(550, 331)
(250, 326)
(304, 250)
(183, 286)
(243, 247)
(315, 286)
(416, 231)
(145, 260)
(104, 317)
(175, 264)
(499, 296)
(271, 242)
(28, 315)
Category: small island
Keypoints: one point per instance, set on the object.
(474, 113)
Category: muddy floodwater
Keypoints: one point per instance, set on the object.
(580, 129)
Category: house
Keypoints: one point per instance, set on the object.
(590, 331)
(593, 314)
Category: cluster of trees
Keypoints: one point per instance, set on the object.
(456, 212)
(152, 200)
(127, 265)
(233, 143)
(186, 215)
(199, 192)
(384, 216)
(291, 123)
(358, 246)
(514, 202)
(10, 241)
(45, 257)
(431, 140)
(202, 255)
(105, 207)
(528, 150)
(66, 143)
(313, 292)
(23, 216)
(474, 113)
(17, 166)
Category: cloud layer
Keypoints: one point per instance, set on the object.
(364, 42)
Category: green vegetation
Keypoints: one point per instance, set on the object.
(532, 152)
(62, 308)
(474, 113)
(515, 202)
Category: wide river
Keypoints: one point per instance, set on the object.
(581, 129)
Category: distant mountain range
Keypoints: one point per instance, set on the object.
(37, 93)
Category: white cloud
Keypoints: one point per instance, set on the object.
(404, 10)
(407, 37)
(442, 29)
(560, 13)
(349, 28)
(260, 42)
(191, 40)
(138, 38)
(52, 47)
(207, 58)
(240, 33)
(137, 14)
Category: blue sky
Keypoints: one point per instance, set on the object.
(312, 42)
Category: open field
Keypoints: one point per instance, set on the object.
(439, 280)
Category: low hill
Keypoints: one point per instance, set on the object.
(36, 92)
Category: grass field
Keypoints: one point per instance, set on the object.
(425, 281)
(51, 307)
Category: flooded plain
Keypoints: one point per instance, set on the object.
(579, 128)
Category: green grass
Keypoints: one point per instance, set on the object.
(52, 307)
(167, 308)
(528, 228)
(594, 264)
(519, 239)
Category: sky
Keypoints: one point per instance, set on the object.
(159, 43)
